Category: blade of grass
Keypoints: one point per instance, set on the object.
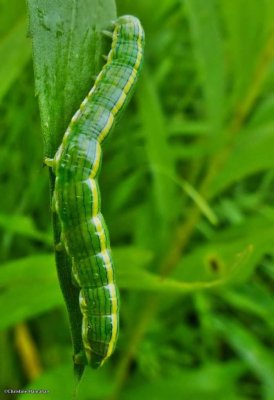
(67, 48)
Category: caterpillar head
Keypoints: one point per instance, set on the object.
(130, 28)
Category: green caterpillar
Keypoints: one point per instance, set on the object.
(76, 197)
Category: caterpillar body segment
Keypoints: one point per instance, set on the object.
(77, 197)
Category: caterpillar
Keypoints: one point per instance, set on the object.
(76, 196)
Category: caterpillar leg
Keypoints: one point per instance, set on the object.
(53, 203)
(50, 162)
(107, 34)
(74, 275)
(59, 246)
(80, 358)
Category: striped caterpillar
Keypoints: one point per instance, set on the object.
(76, 197)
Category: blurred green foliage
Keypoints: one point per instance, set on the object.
(187, 194)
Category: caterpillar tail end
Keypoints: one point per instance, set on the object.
(95, 360)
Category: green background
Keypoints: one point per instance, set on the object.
(187, 192)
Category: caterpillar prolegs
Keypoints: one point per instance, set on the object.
(76, 195)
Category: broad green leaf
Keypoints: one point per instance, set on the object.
(67, 52)
(67, 49)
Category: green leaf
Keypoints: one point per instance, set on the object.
(208, 46)
(252, 299)
(23, 225)
(208, 382)
(252, 30)
(192, 193)
(15, 278)
(231, 255)
(16, 51)
(67, 49)
(158, 151)
(60, 385)
(252, 153)
(136, 277)
(33, 280)
(247, 345)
